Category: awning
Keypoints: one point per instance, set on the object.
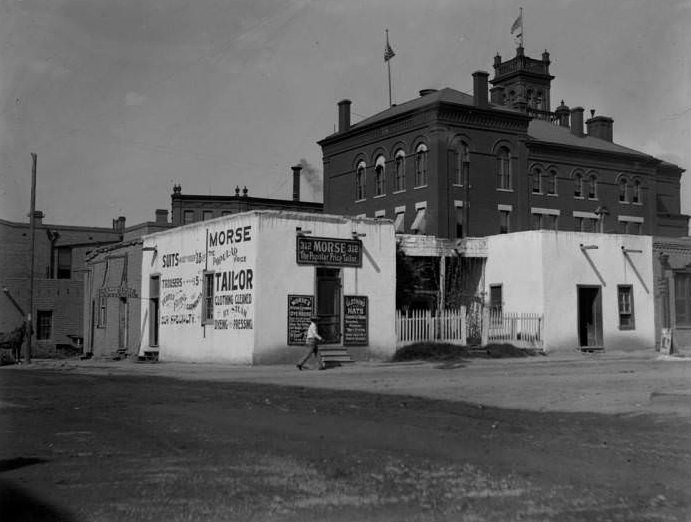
(399, 223)
(420, 222)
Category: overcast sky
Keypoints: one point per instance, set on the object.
(121, 99)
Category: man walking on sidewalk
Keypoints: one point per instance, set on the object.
(312, 342)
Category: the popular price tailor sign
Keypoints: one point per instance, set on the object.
(329, 251)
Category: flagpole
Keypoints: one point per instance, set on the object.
(522, 26)
(388, 67)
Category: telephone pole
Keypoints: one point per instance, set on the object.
(32, 230)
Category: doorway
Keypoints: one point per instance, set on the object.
(329, 303)
(154, 290)
(590, 317)
(122, 323)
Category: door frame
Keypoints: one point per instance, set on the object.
(597, 315)
(337, 321)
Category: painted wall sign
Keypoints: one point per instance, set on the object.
(117, 291)
(300, 309)
(328, 251)
(355, 320)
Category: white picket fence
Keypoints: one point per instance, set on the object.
(450, 326)
(414, 326)
(523, 330)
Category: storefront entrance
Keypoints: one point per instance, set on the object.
(329, 303)
(590, 317)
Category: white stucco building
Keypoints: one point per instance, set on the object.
(240, 288)
(594, 290)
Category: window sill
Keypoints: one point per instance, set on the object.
(398, 191)
(627, 328)
(552, 195)
(420, 187)
(624, 202)
(504, 190)
(360, 200)
(579, 197)
(458, 185)
(379, 196)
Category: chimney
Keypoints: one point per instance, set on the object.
(119, 224)
(600, 127)
(344, 115)
(577, 121)
(480, 88)
(562, 113)
(161, 216)
(425, 92)
(497, 95)
(296, 182)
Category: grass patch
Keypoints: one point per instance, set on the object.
(450, 352)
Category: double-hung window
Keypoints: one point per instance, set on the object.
(625, 301)
(421, 165)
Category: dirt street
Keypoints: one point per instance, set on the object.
(576, 438)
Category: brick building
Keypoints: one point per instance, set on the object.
(190, 208)
(112, 290)
(59, 265)
(456, 165)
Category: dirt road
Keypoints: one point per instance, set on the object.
(110, 442)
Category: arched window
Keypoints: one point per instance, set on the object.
(623, 190)
(537, 178)
(400, 170)
(380, 176)
(360, 181)
(592, 187)
(504, 169)
(461, 164)
(551, 183)
(636, 196)
(421, 165)
(578, 185)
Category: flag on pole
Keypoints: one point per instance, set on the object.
(517, 29)
(388, 51)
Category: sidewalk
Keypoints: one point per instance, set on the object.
(613, 382)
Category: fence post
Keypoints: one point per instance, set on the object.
(485, 326)
(464, 326)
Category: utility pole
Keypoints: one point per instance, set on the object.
(32, 229)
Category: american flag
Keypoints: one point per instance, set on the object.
(517, 27)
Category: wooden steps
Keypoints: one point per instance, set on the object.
(330, 357)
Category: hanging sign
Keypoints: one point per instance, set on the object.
(300, 310)
(355, 320)
(326, 251)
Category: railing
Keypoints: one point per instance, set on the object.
(543, 115)
(523, 330)
(420, 325)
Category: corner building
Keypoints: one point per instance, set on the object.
(455, 165)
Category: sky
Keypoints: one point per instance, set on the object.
(122, 99)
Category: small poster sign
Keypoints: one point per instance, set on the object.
(666, 341)
(355, 320)
(300, 309)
